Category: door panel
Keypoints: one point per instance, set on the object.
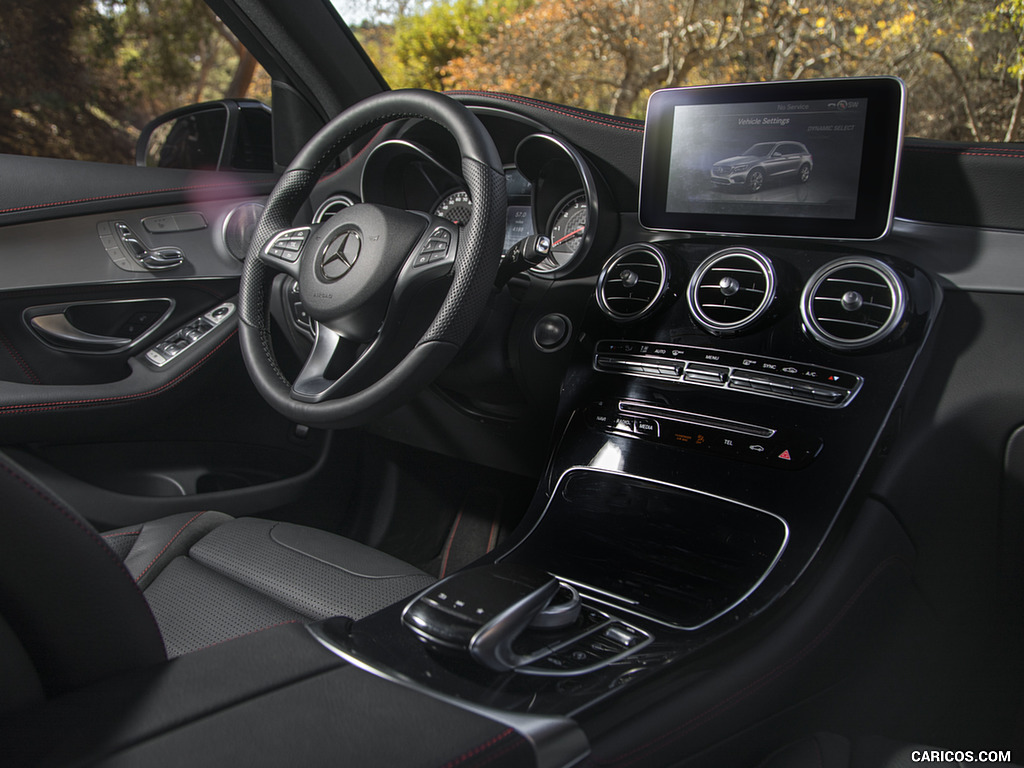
(123, 386)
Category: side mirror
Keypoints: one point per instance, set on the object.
(231, 134)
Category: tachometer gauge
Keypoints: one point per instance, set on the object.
(456, 207)
(568, 227)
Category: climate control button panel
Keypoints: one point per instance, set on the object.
(755, 374)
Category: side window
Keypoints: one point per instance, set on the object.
(83, 77)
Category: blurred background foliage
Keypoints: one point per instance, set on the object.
(961, 59)
(81, 77)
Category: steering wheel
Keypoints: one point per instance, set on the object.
(366, 274)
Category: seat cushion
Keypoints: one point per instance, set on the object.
(249, 574)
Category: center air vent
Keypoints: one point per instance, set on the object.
(331, 206)
(632, 282)
(731, 289)
(852, 303)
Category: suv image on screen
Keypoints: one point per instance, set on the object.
(763, 161)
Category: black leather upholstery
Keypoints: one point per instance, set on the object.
(66, 595)
(77, 606)
(249, 574)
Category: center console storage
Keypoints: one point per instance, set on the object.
(676, 556)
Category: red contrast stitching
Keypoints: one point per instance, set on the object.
(125, 195)
(171, 541)
(606, 122)
(88, 532)
(60, 508)
(254, 632)
(16, 356)
(56, 406)
(753, 687)
(500, 753)
(354, 157)
(481, 748)
(448, 545)
(120, 533)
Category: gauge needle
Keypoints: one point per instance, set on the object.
(572, 234)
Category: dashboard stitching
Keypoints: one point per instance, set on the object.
(977, 152)
(605, 123)
(58, 405)
(127, 195)
(354, 157)
(762, 681)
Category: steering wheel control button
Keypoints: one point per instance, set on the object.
(287, 245)
(782, 379)
(435, 249)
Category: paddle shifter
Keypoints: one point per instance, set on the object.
(483, 611)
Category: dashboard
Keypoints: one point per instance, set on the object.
(704, 403)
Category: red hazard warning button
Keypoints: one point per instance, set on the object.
(785, 455)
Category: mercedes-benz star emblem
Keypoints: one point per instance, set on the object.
(340, 254)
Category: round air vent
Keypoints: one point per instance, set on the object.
(731, 289)
(632, 282)
(852, 303)
(240, 226)
(331, 206)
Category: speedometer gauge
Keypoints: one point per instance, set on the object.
(568, 228)
(456, 207)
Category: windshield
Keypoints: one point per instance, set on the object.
(760, 150)
(961, 60)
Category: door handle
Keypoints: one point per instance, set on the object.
(101, 326)
(58, 329)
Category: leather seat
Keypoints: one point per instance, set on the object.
(77, 606)
(208, 577)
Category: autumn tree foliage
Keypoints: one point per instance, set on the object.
(962, 60)
(81, 77)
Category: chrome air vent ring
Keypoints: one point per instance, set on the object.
(331, 206)
(852, 303)
(632, 282)
(731, 290)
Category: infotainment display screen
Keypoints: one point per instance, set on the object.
(806, 158)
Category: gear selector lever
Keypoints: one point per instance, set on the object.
(482, 611)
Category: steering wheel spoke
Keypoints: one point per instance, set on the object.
(330, 358)
(284, 250)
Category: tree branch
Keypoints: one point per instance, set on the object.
(971, 123)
